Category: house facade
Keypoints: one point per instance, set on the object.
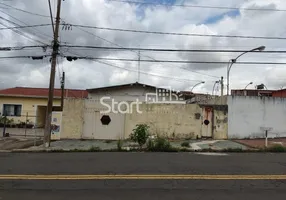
(28, 105)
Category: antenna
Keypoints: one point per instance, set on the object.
(139, 57)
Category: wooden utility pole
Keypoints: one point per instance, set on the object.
(63, 91)
(47, 133)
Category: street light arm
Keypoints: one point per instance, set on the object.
(196, 85)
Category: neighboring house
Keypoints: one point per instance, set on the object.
(23, 104)
(249, 92)
(133, 91)
(279, 93)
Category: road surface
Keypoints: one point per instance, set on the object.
(132, 176)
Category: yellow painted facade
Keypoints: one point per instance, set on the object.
(30, 107)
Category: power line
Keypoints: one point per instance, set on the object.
(147, 73)
(23, 47)
(33, 57)
(180, 34)
(51, 15)
(26, 25)
(181, 61)
(142, 72)
(25, 11)
(29, 26)
(193, 71)
(22, 34)
(196, 6)
(169, 50)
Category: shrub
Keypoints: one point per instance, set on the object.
(140, 134)
(94, 149)
(277, 148)
(150, 144)
(185, 144)
(161, 145)
(119, 145)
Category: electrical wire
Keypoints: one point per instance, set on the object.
(181, 61)
(51, 15)
(45, 35)
(197, 6)
(143, 54)
(40, 57)
(179, 34)
(25, 11)
(170, 50)
(29, 26)
(147, 73)
(142, 72)
(22, 34)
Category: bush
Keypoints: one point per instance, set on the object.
(185, 144)
(140, 134)
(119, 145)
(150, 144)
(160, 145)
(277, 148)
(94, 149)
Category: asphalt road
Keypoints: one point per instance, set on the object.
(142, 176)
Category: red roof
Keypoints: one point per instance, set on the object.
(42, 92)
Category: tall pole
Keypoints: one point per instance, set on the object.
(63, 91)
(47, 133)
(221, 85)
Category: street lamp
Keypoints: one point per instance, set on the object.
(248, 85)
(214, 86)
(197, 85)
(232, 61)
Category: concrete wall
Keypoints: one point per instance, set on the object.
(169, 120)
(29, 132)
(72, 119)
(82, 120)
(247, 114)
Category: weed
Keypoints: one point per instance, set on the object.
(94, 149)
(140, 134)
(185, 144)
(108, 141)
(119, 145)
(276, 148)
(161, 145)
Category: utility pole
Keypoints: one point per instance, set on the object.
(63, 91)
(221, 86)
(139, 60)
(47, 133)
(221, 90)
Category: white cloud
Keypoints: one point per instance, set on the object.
(89, 74)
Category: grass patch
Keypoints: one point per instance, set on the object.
(108, 141)
(160, 145)
(276, 148)
(185, 144)
(94, 149)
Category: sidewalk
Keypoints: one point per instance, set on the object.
(260, 143)
(105, 145)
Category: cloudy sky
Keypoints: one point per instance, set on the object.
(149, 17)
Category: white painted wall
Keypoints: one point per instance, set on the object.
(125, 94)
(130, 94)
(247, 114)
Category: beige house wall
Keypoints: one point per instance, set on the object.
(169, 120)
(72, 119)
(81, 119)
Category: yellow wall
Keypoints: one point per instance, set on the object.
(72, 119)
(28, 106)
(169, 120)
